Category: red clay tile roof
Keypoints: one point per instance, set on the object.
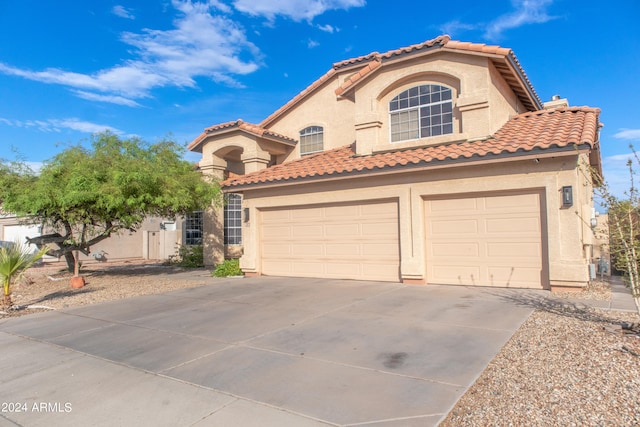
(504, 60)
(530, 132)
(242, 125)
(375, 56)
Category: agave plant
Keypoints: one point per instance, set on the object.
(14, 260)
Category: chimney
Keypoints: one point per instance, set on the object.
(556, 102)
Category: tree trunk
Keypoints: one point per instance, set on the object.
(76, 266)
(71, 261)
(7, 301)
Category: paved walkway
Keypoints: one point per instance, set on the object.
(621, 299)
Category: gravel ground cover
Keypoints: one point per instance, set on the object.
(48, 287)
(567, 365)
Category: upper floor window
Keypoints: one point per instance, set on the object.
(421, 112)
(232, 219)
(311, 140)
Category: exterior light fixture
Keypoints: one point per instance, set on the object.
(567, 196)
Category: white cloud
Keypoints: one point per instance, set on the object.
(628, 134)
(57, 125)
(297, 10)
(113, 99)
(328, 28)
(524, 12)
(201, 44)
(82, 126)
(312, 43)
(122, 12)
(455, 26)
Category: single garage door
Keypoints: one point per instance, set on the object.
(345, 241)
(489, 240)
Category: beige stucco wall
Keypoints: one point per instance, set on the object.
(120, 246)
(483, 102)
(565, 254)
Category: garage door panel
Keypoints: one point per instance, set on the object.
(508, 250)
(277, 217)
(308, 231)
(454, 226)
(380, 271)
(511, 225)
(302, 215)
(277, 231)
(513, 202)
(277, 250)
(340, 269)
(456, 274)
(387, 229)
(304, 250)
(453, 249)
(454, 205)
(342, 250)
(278, 267)
(335, 241)
(342, 212)
(513, 277)
(497, 243)
(377, 250)
(344, 230)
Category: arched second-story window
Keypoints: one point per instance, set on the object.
(421, 112)
(311, 140)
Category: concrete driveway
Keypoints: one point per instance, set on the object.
(264, 351)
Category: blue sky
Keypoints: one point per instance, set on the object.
(154, 68)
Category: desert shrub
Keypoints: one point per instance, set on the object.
(188, 256)
(230, 267)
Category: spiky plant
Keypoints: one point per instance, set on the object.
(14, 260)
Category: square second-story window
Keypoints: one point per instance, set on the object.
(233, 219)
(311, 140)
(421, 112)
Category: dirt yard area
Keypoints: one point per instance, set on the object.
(48, 287)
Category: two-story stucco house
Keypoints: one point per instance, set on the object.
(435, 163)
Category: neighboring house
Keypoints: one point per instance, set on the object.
(435, 163)
(157, 239)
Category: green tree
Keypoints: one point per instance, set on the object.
(87, 195)
(14, 260)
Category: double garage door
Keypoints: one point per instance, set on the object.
(346, 241)
(489, 240)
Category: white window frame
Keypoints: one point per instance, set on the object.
(422, 111)
(194, 227)
(232, 219)
(310, 138)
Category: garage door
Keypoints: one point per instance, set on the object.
(346, 241)
(494, 240)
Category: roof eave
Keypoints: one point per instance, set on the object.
(536, 153)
